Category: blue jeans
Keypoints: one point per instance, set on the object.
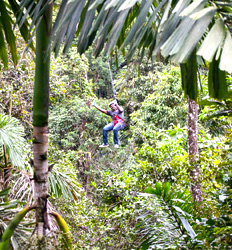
(115, 129)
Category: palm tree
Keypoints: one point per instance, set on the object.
(174, 28)
(40, 121)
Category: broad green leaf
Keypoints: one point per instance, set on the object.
(6, 24)
(127, 4)
(165, 15)
(189, 77)
(170, 26)
(193, 38)
(226, 57)
(111, 3)
(24, 27)
(150, 190)
(95, 4)
(115, 31)
(217, 81)
(193, 6)
(187, 226)
(176, 40)
(166, 189)
(84, 40)
(199, 14)
(210, 45)
(3, 51)
(73, 25)
(4, 192)
(147, 32)
(158, 188)
(144, 8)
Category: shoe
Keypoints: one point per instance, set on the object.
(116, 145)
(104, 145)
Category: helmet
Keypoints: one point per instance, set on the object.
(112, 102)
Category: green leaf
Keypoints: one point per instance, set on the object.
(73, 21)
(3, 51)
(158, 188)
(193, 37)
(147, 32)
(10, 37)
(189, 77)
(217, 81)
(12, 226)
(115, 31)
(170, 26)
(203, 12)
(187, 226)
(140, 19)
(110, 4)
(195, 5)
(95, 4)
(84, 39)
(4, 192)
(24, 27)
(127, 4)
(175, 42)
(150, 190)
(226, 58)
(167, 186)
(11, 136)
(210, 45)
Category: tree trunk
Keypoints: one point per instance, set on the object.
(84, 161)
(193, 151)
(40, 122)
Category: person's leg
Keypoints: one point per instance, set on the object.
(117, 127)
(106, 129)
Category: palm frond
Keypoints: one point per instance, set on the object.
(11, 136)
(174, 28)
(61, 184)
(7, 212)
(173, 220)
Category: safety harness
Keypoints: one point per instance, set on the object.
(119, 120)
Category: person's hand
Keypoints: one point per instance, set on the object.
(94, 103)
(115, 102)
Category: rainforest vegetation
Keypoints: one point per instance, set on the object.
(169, 184)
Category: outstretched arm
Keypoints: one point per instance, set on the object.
(99, 108)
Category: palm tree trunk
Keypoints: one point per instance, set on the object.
(193, 151)
(40, 122)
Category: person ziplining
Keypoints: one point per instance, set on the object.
(117, 115)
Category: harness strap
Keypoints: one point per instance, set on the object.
(119, 120)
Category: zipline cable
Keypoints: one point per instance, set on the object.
(111, 77)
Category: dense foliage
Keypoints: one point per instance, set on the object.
(134, 197)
